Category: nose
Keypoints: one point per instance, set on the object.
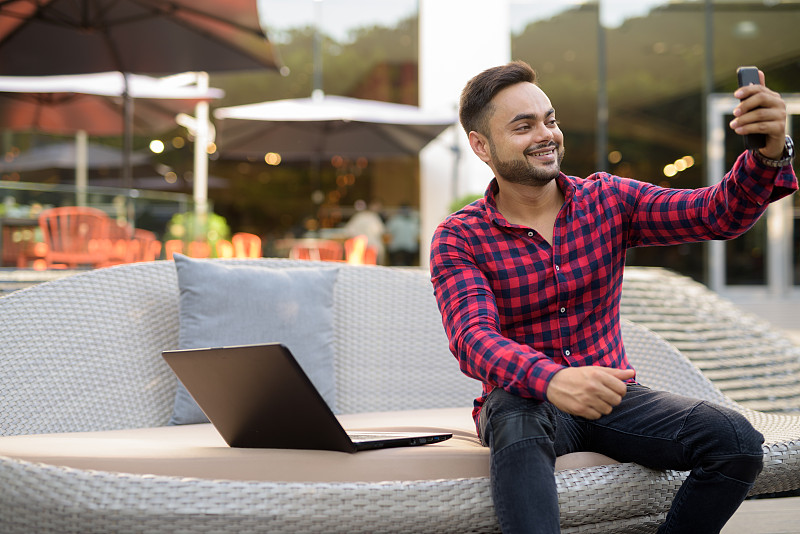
(543, 134)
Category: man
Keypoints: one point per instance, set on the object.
(403, 231)
(528, 281)
(367, 221)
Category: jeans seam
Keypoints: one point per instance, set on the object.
(504, 417)
(683, 423)
(731, 423)
(521, 441)
(675, 439)
(500, 506)
(726, 477)
(739, 449)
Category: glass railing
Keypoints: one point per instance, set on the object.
(22, 202)
(26, 199)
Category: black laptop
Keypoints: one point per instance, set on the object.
(258, 396)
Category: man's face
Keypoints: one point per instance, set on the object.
(525, 143)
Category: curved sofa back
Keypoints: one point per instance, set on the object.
(84, 352)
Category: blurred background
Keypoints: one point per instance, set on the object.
(642, 89)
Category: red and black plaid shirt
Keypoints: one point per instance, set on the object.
(517, 310)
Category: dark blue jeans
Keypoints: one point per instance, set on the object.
(655, 429)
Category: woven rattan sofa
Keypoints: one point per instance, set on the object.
(745, 356)
(85, 395)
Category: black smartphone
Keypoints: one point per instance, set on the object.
(747, 76)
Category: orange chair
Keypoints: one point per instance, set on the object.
(371, 255)
(19, 246)
(145, 246)
(171, 246)
(304, 251)
(153, 251)
(317, 250)
(195, 249)
(118, 243)
(39, 251)
(224, 248)
(75, 236)
(358, 252)
(199, 249)
(330, 250)
(246, 245)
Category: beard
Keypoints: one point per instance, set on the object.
(524, 173)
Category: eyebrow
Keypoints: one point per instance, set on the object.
(530, 116)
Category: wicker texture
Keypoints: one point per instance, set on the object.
(752, 362)
(660, 366)
(83, 353)
(390, 344)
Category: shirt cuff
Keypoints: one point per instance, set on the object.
(762, 183)
(540, 376)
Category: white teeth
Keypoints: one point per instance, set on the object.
(542, 152)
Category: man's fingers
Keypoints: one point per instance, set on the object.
(760, 109)
(622, 374)
(614, 379)
(600, 406)
(751, 96)
(760, 114)
(589, 392)
(612, 392)
(609, 389)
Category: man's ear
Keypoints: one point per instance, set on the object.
(480, 145)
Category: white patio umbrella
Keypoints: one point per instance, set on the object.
(49, 37)
(93, 104)
(309, 128)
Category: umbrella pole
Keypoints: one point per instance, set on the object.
(201, 162)
(127, 150)
(316, 90)
(81, 166)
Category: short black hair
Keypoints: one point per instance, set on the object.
(475, 104)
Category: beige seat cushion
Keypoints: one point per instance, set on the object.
(198, 451)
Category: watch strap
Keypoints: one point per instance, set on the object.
(786, 158)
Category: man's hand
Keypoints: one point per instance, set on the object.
(761, 110)
(589, 392)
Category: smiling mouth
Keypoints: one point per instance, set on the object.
(539, 152)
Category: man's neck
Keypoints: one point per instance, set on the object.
(533, 207)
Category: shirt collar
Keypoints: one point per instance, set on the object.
(565, 183)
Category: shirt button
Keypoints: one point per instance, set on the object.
(567, 352)
(558, 268)
(530, 234)
(563, 310)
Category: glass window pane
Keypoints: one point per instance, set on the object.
(566, 68)
(353, 48)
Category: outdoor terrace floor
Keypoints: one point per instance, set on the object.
(766, 516)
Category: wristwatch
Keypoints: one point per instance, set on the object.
(786, 158)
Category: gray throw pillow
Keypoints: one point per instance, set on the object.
(228, 304)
